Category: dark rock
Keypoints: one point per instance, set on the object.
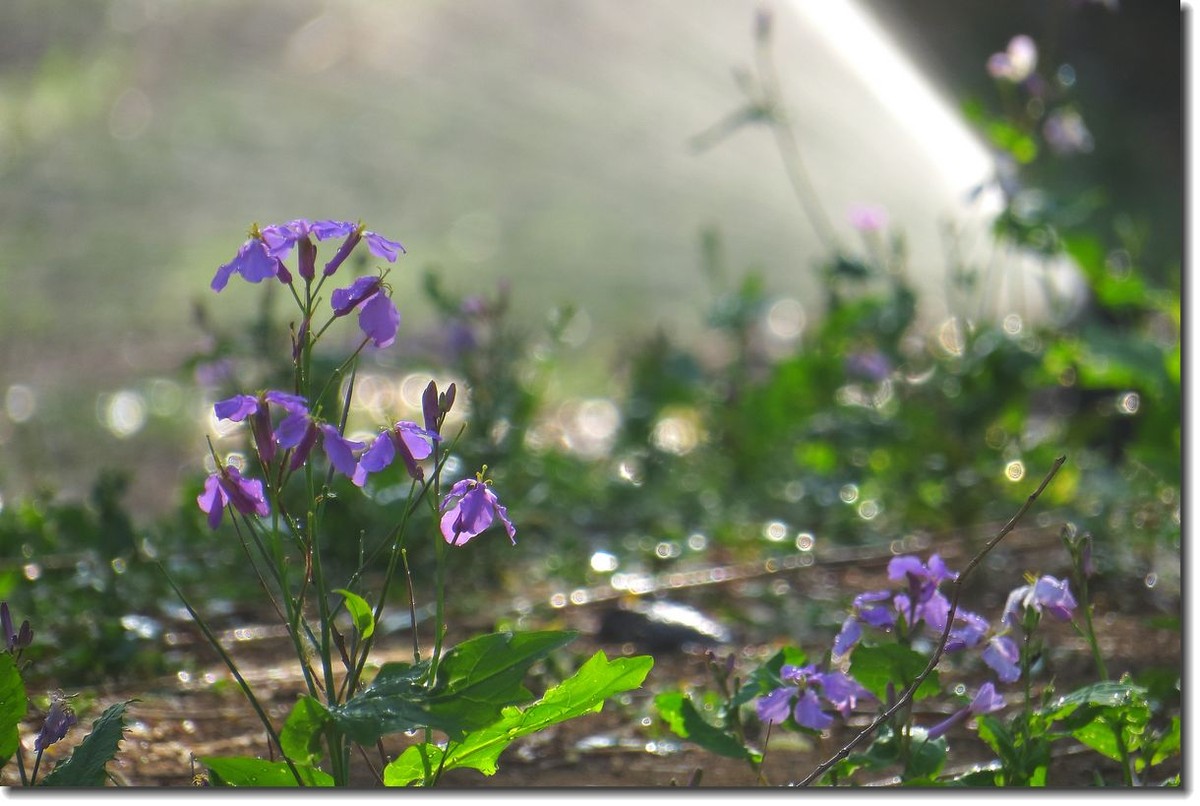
(661, 626)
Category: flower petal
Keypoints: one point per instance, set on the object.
(379, 319)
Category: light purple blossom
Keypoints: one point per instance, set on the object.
(377, 316)
(923, 601)
(1066, 133)
(59, 720)
(378, 245)
(469, 508)
(985, 702)
(864, 610)
(868, 217)
(379, 319)
(412, 442)
(805, 695)
(252, 262)
(1017, 62)
(339, 450)
(257, 410)
(1048, 593)
(228, 486)
(1003, 656)
(972, 629)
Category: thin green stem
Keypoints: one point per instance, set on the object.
(1090, 630)
(237, 675)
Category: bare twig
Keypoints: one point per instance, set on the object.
(907, 696)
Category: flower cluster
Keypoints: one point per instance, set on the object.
(286, 428)
(806, 694)
(261, 257)
(918, 602)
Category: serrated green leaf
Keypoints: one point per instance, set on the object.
(581, 694)
(300, 738)
(13, 705)
(86, 765)
(877, 667)
(686, 723)
(257, 772)
(360, 612)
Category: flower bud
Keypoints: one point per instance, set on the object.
(429, 406)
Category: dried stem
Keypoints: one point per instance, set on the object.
(907, 696)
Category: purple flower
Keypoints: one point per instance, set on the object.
(868, 217)
(843, 692)
(241, 407)
(59, 720)
(864, 610)
(1003, 656)
(923, 601)
(972, 630)
(378, 245)
(470, 507)
(776, 706)
(345, 300)
(339, 450)
(811, 689)
(808, 712)
(1053, 595)
(870, 365)
(377, 317)
(228, 486)
(410, 440)
(1066, 133)
(985, 702)
(1015, 64)
(252, 262)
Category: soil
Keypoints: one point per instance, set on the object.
(187, 716)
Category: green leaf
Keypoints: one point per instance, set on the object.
(240, 771)
(13, 705)
(925, 761)
(581, 694)
(1109, 717)
(300, 738)
(475, 680)
(397, 700)
(86, 765)
(360, 612)
(479, 677)
(875, 667)
(1168, 746)
(685, 722)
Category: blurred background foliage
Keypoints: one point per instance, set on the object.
(686, 393)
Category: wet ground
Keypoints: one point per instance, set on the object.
(190, 715)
